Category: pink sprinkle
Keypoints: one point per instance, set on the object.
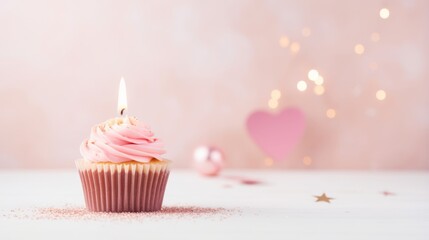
(250, 181)
(71, 213)
(244, 180)
(387, 193)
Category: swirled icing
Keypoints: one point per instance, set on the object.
(120, 140)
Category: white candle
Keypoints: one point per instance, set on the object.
(122, 97)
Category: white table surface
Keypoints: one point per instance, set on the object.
(281, 208)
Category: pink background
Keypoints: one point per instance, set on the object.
(196, 69)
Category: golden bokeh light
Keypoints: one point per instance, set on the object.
(276, 94)
(375, 37)
(359, 49)
(380, 95)
(319, 80)
(284, 42)
(331, 113)
(301, 86)
(295, 47)
(313, 74)
(306, 32)
(273, 103)
(268, 162)
(373, 66)
(384, 13)
(307, 161)
(319, 90)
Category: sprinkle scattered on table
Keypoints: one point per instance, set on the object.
(80, 213)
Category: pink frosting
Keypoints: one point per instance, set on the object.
(121, 140)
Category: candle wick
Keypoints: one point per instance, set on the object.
(122, 111)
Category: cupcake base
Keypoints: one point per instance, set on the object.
(124, 187)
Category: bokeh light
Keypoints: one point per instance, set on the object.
(301, 86)
(306, 32)
(384, 13)
(319, 90)
(373, 66)
(273, 103)
(375, 37)
(276, 94)
(359, 49)
(295, 47)
(380, 95)
(370, 112)
(268, 162)
(284, 42)
(307, 161)
(313, 74)
(331, 113)
(319, 80)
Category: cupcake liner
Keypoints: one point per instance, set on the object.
(124, 187)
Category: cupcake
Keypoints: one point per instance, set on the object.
(122, 169)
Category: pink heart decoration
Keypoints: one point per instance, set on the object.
(276, 134)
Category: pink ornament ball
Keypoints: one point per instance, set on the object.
(208, 160)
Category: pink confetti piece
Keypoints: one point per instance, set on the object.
(250, 182)
(244, 180)
(387, 193)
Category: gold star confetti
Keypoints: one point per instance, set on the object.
(323, 198)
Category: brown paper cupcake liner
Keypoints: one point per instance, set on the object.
(124, 187)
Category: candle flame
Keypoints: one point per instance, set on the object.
(122, 97)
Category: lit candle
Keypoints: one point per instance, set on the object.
(122, 97)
